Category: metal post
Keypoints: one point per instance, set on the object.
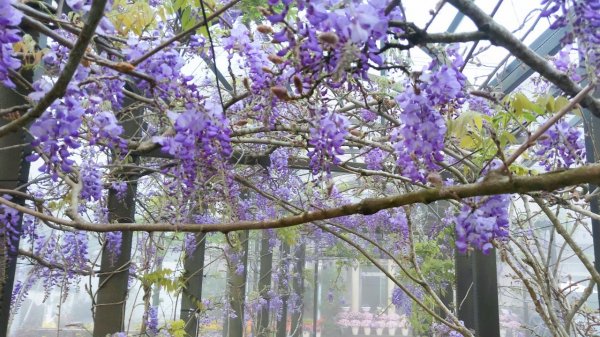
(114, 273)
(191, 295)
(298, 288)
(109, 308)
(236, 284)
(486, 294)
(264, 284)
(465, 303)
(282, 322)
(14, 171)
(592, 148)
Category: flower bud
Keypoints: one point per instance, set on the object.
(280, 92)
(329, 37)
(264, 29)
(298, 83)
(275, 59)
(124, 67)
(246, 83)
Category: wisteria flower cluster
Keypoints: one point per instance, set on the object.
(439, 330)
(327, 138)
(561, 146)
(9, 227)
(480, 221)
(337, 40)
(9, 20)
(585, 19)
(420, 138)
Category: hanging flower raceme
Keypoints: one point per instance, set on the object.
(338, 40)
(9, 226)
(327, 137)
(477, 225)
(482, 220)
(10, 18)
(419, 141)
(584, 16)
(201, 140)
(561, 146)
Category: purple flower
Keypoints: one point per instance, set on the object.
(92, 184)
(482, 220)
(10, 18)
(152, 320)
(9, 226)
(113, 243)
(327, 137)
(561, 146)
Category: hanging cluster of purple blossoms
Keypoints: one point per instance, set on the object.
(327, 137)
(9, 226)
(480, 221)
(442, 330)
(152, 320)
(58, 131)
(201, 140)
(401, 300)
(337, 39)
(584, 15)
(420, 138)
(9, 20)
(561, 146)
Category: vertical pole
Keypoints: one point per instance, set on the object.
(465, 291)
(316, 295)
(114, 273)
(14, 171)
(109, 309)
(592, 148)
(486, 299)
(264, 284)
(236, 284)
(282, 322)
(298, 288)
(477, 293)
(192, 292)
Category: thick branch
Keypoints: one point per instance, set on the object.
(497, 185)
